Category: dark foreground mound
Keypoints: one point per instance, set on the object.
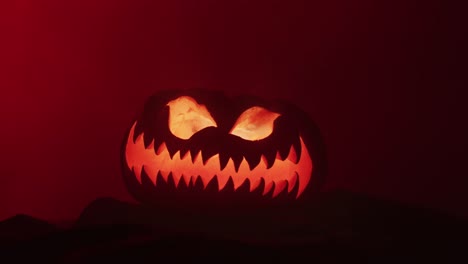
(337, 227)
(23, 227)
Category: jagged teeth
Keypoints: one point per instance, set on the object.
(292, 156)
(186, 179)
(279, 187)
(222, 181)
(162, 148)
(292, 182)
(164, 174)
(151, 145)
(283, 174)
(268, 187)
(197, 159)
(151, 172)
(254, 184)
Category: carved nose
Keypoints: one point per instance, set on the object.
(209, 140)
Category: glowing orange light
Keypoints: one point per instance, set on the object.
(289, 172)
(254, 123)
(186, 117)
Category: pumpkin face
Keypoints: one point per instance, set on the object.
(194, 144)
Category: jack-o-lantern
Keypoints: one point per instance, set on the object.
(192, 146)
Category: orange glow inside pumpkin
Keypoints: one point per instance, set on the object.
(282, 174)
(186, 117)
(254, 123)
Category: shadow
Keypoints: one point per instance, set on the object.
(336, 227)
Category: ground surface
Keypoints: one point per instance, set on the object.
(337, 227)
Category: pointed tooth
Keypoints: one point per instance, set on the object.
(223, 160)
(229, 166)
(161, 148)
(170, 181)
(238, 181)
(244, 165)
(186, 179)
(268, 187)
(176, 176)
(190, 183)
(229, 188)
(278, 156)
(284, 151)
(194, 154)
(194, 180)
(139, 139)
(305, 169)
(292, 182)
(303, 181)
(254, 184)
(198, 183)
(253, 160)
(206, 156)
(197, 157)
(164, 174)
(184, 154)
(223, 176)
(237, 162)
(183, 184)
(144, 176)
(188, 156)
(136, 131)
(213, 163)
(131, 135)
(179, 180)
(297, 147)
(206, 179)
(279, 187)
(212, 186)
(177, 155)
(261, 187)
(147, 138)
(151, 145)
(151, 172)
(270, 157)
(222, 181)
(244, 187)
(160, 181)
(156, 144)
(264, 160)
(292, 155)
(171, 150)
(301, 186)
(137, 172)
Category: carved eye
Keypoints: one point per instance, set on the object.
(187, 117)
(254, 123)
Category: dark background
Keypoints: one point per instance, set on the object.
(380, 79)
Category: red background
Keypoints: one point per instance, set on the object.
(379, 79)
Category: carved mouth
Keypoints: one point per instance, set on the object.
(282, 174)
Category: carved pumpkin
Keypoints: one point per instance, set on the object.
(199, 145)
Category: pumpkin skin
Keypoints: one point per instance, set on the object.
(200, 148)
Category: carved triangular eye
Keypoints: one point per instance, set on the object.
(254, 123)
(187, 117)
